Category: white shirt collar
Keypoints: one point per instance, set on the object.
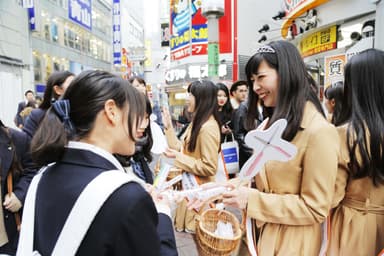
(99, 151)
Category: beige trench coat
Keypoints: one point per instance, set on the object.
(292, 199)
(358, 221)
(202, 162)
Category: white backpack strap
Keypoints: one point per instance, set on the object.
(85, 209)
(25, 245)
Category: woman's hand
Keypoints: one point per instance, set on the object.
(170, 153)
(12, 203)
(225, 129)
(236, 197)
(166, 117)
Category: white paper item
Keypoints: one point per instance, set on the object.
(159, 140)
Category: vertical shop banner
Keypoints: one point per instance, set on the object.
(116, 29)
(334, 69)
(80, 11)
(189, 31)
(31, 14)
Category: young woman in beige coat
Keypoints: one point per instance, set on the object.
(289, 201)
(358, 220)
(197, 152)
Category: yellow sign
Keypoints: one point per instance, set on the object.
(321, 41)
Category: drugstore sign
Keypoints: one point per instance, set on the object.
(321, 41)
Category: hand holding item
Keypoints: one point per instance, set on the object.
(170, 153)
(225, 129)
(166, 116)
(236, 197)
(12, 203)
(162, 203)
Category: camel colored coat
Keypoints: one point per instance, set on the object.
(292, 199)
(358, 220)
(201, 162)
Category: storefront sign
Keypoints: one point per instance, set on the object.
(321, 41)
(334, 69)
(191, 72)
(80, 11)
(116, 41)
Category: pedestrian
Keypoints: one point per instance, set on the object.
(333, 96)
(57, 83)
(29, 96)
(358, 220)
(17, 171)
(98, 116)
(225, 111)
(197, 151)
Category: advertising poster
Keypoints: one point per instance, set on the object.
(189, 32)
(334, 69)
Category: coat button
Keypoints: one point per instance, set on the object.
(6, 216)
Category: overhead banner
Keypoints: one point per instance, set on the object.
(334, 69)
(80, 11)
(189, 32)
(321, 41)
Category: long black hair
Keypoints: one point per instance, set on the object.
(362, 108)
(55, 79)
(295, 85)
(205, 93)
(227, 108)
(335, 92)
(87, 96)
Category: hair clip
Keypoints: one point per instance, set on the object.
(265, 49)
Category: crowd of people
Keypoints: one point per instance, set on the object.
(95, 122)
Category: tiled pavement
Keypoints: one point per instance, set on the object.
(186, 245)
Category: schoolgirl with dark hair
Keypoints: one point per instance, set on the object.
(358, 221)
(290, 200)
(16, 172)
(225, 110)
(98, 116)
(197, 151)
(333, 99)
(57, 83)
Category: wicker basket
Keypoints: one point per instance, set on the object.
(208, 243)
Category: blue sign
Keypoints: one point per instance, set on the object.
(116, 32)
(80, 11)
(31, 14)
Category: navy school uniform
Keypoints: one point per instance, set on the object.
(20, 182)
(127, 223)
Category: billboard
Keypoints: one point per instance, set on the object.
(80, 11)
(189, 32)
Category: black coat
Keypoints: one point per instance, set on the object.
(18, 118)
(20, 182)
(127, 223)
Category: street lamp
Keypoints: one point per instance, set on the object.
(213, 10)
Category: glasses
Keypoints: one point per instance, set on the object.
(265, 49)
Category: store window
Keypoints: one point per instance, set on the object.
(37, 66)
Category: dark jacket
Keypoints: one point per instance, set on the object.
(127, 223)
(239, 132)
(18, 119)
(33, 121)
(20, 143)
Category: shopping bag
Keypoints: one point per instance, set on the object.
(230, 152)
(222, 173)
